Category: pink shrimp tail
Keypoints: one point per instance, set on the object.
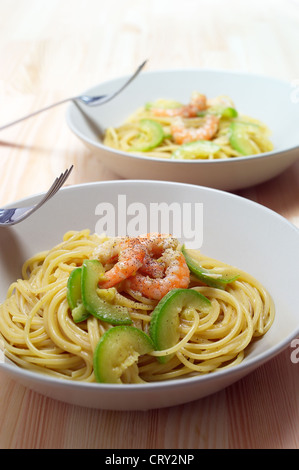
(182, 134)
(177, 275)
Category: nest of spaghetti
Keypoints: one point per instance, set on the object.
(131, 310)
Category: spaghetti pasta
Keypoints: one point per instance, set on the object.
(165, 128)
(39, 333)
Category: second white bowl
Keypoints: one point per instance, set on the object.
(264, 98)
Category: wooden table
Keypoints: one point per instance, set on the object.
(52, 49)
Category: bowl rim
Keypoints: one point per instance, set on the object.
(246, 365)
(243, 367)
(100, 145)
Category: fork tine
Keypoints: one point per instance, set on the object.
(15, 215)
(51, 191)
(66, 174)
(59, 181)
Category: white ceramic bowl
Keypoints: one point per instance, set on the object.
(270, 100)
(233, 230)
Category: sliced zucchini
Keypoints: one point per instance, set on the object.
(92, 272)
(207, 276)
(165, 321)
(226, 112)
(241, 137)
(118, 349)
(74, 297)
(196, 149)
(151, 135)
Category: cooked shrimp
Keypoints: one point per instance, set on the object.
(108, 251)
(183, 134)
(130, 258)
(221, 100)
(168, 112)
(152, 267)
(177, 275)
(155, 244)
(197, 103)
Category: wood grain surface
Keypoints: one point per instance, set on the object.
(51, 49)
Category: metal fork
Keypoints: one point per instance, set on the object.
(15, 215)
(88, 100)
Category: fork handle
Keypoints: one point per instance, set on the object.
(86, 99)
(36, 112)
